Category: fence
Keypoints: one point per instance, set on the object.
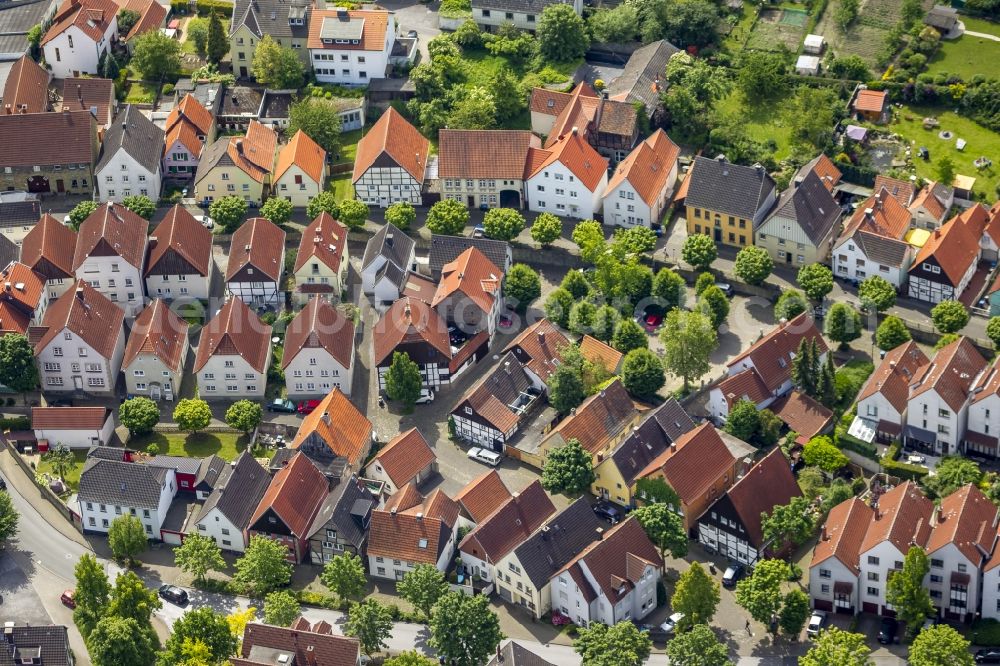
(44, 491)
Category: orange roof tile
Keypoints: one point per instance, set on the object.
(843, 533)
(304, 153)
(235, 331)
(955, 245)
(324, 239)
(69, 418)
(893, 375)
(92, 17)
(160, 332)
(880, 214)
(772, 355)
(320, 325)
(901, 190)
(508, 527)
(393, 136)
(13, 319)
(87, 313)
(802, 414)
(405, 456)
(22, 287)
(295, 494)
(483, 495)
(968, 519)
(472, 274)
(951, 373)
(925, 198)
(338, 423)
(151, 15)
(647, 167)
(80, 94)
(696, 461)
(112, 230)
(552, 102)
(903, 517)
(375, 25)
(27, 87)
(573, 152)
(484, 153)
(539, 348)
(48, 248)
(187, 122)
(418, 529)
(181, 236)
(260, 244)
(254, 153)
(600, 418)
(827, 171)
(407, 321)
(871, 100)
(767, 484)
(596, 351)
(746, 384)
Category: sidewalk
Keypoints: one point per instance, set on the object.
(27, 488)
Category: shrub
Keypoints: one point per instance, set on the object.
(893, 467)
(208, 7)
(986, 632)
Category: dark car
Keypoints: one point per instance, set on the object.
(887, 630)
(3, 484)
(655, 633)
(174, 594)
(988, 656)
(608, 513)
(732, 575)
(281, 405)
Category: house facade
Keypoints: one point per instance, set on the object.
(491, 14)
(569, 180)
(409, 530)
(110, 488)
(155, 354)
(48, 250)
(727, 201)
(239, 166)
(341, 526)
(73, 427)
(189, 128)
(883, 400)
(469, 294)
(944, 266)
(412, 327)
(111, 255)
(491, 412)
(285, 22)
(300, 171)
(34, 162)
(256, 263)
(234, 352)
(640, 189)
(391, 162)
(983, 418)
(319, 351)
(226, 513)
(350, 47)
(406, 458)
(81, 33)
(131, 155)
(23, 298)
(290, 504)
(484, 167)
(389, 256)
(322, 261)
(803, 226)
(180, 264)
(873, 241)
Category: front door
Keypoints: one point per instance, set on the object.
(718, 235)
(60, 186)
(243, 72)
(788, 257)
(78, 383)
(472, 201)
(38, 184)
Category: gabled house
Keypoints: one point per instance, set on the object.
(286, 22)
(407, 458)
(44, 644)
(73, 427)
(803, 226)
(19, 213)
(836, 560)
(81, 33)
(902, 191)
(91, 94)
(479, 498)
(301, 643)
(824, 168)
(348, 436)
(643, 182)
(225, 515)
(210, 476)
(513, 653)
(522, 14)
(239, 166)
(484, 167)
(256, 262)
(763, 373)
(938, 405)
(80, 344)
(288, 507)
(490, 414)
(300, 171)
(189, 128)
(391, 162)
(732, 526)
(48, 250)
(185, 469)
(803, 415)
(234, 352)
(322, 261)
(239, 106)
(131, 155)
(155, 353)
(613, 580)
(180, 264)
(27, 88)
(871, 105)
(874, 241)
(944, 266)
(727, 201)
(412, 327)
(983, 420)
(341, 526)
(111, 255)
(152, 16)
(445, 249)
(567, 177)
(34, 161)
(503, 530)
(109, 489)
(470, 294)
(642, 81)
(539, 348)
(319, 351)
(350, 47)
(601, 354)
(882, 401)
(931, 204)
(389, 256)
(409, 530)
(23, 298)
(611, 127)
(989, 242)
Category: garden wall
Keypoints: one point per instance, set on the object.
(45, 493)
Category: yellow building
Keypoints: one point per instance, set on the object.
(287, 22)
(237, 166)
(727, 201)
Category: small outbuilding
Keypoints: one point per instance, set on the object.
(943, 19)
(807, 65)
(813, 44)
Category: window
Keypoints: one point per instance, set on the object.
(873, 576)
(824, 573)
(873, 560)
(872, 591)
(937, 564)
(944, 414)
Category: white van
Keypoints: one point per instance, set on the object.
(485, 456)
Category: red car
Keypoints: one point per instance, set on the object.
(307, 406)
(68, 598)
(653, 321)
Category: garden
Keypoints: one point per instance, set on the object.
(226, 445)
(966, 55)
(778, 27)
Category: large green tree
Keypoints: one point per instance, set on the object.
(940, 645)
(811, 115)
(546, 229)
(402, 380)
(950, 474)
(344, 575)
(816, 280)
(157, 56)
(276, 66)
(216, 43)
(992, 331)
(575, 282)
(665, 528)
(141, 205)
(18, 371)
(81, 212)
(324, 202)
(821, 452)
(522, 286)
(423, 586)
(790, 304)
(642, 374)
(696, 595)
(949, 317)
(629, 335)
(566, 389)
(906, 592)
(562, 33)
(581, 317)
(192, 415)
(789, 523)
(557, 307)
(464, 630)
(760, 593)
(140, 415)
(843, 324)
(753, 264)
(61, 459)
(8, 517)
(699, 251)
(278, 210)
(353, 213)
(371, 623)
(621, 644)
(697, 647)
(503, 223)
(669, 289)
(688, 341)
(401, 215)
(761, 75)
(127, 538)
(318, 119)
(891, 333)
(118, 641)
(877, 293)
(130, 598)
(263, 566)
(743, 420)
(228, 212)
(93, 594)
(244, 415)
(794, 612)
(713, 304)
(281, 608)
(197, 555)
(568, 469)
(447, 217)
(836, 647)
(201, 625)
(605, 319)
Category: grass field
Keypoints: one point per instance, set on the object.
(341, 187)
(965, 56)
(762, 122)
(733, 42)
(226, 445)
(141, 92)
(773, 29)
(73, 476)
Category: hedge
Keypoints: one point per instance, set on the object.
(986, 632)
(850, 443)
(203, 7)
(893, 467)
(15, 423)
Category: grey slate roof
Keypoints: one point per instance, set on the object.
(515, 654)
(390, 243)
(137, 136)
(214, 154)
(560, 540)
(638, 81)
(524, 6)
(445, 249)
(269, 17)
(882, 250)
(238, 491)
(393, 273)
(179, 464)
(106, 453)
(337, 510)
(240, 101)
(42, 644)
(651, 438)
(20, 213)
(210, 471)
(331, 466)
(810, 205)
(732, 189)
(9, 251)
(121, 483)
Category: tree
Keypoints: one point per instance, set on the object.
(202, 625)
(703, 282)
(892, 332)
(669, 289)
(753, 264)
(696, 595)
(263, 566)
(713, 304)
(620, 24)
(568, 469)
(605, 320)
(280, 608)
(277, 210)
(950, 474)
(805, 366)
(940, 645)
(157, 56)
(876, 293)
(811, 115)
(61, 459)
(464, 630)
(656, 489)
(8, 517)
(141, 205)
(794, 612)
(642, 373)
(371, 623)
(192, 415)
(410, 658)
(574, 281)
(557, 307)
(633, 242)
(628, 336)
(834, 646)
(850, 67)
(276, 66)
(992, 332)
(140, 415)
(566, 389)
(546, 229)
(816, 281)
(946, 170)
(401, 214)
(562, 34)
(318, 119)
(244, 415)
(403, 381)
(945, 340)
(447, 217)
(699, 251)
(826, 388)
(743, 420)
(81, 212)
(688, 340)
(423, 586)
(769, 430)
(906, 592)
(791, 523)
(117, 641)
(473, 108)
(130, 598)
(503, 223)
(228, 212)
(843, 324)
(324, 202)
(790, 304)
(665, 528)
(589, 237)
(344, 575)
(34, 37)
(846, 12)
(761, 75)
(197, 33)
(522, 286)
(581, 317)
(821, 452)
(508, 97)
(697, 647)
(197, 555)
(239, 619)
(127, 538)
(760, 593)
(18, 371)
(110, 69)
(353, 213)
(216, 44)
(621, 644)
(93, 593)
(949, 317)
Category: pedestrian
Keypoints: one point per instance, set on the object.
(750, 633)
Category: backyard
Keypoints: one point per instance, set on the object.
(226, 445)
(141, 92)
(776, 27)
(72, 476)
(966, 55)
(866, 36)
(761, 121)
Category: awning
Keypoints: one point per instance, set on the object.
(919, 434)
(979, 439)
(843, 587)
(889, 428)
(958, 578)
(863, 429)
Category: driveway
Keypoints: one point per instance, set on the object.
(416, 16)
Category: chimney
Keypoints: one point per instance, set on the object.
(575, 130)
(541, 337)
(393, 511)
(326, 418)
(499, 655)
(600, 111)
(600, 533)
(420, 515)
(79, 293)
(79, 93)
(506, 367)
(572, 412)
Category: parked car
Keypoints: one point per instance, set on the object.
(68, 598)
(656, 634)
(412, 34)
(456, 336)
(988, 655)
(916, 459)
(479, 231)
(816, 623)
(726, 288)
(485, 456)
(282, 405)
(608, 512)
(426, 396)
(506, 322)
(732, 575)
(174, 594)
(670, 624)
(205, 221)
(307, 406)
(887, 630)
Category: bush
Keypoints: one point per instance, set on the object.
(168, 89)
(986, 632)
(217, 586)
(15, 423)
(850, 443)
(904, 471)
(208, 7)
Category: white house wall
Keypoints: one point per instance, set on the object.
(123, 177)
(314, 373)
(117, 279)
(241, 380)
(215, 526)
(71, 364)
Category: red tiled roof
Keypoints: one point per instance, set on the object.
(180, 233)
(772, 355)
(925, 198)
(258, 243)
(304, 153)
(596, 351)
(87, 313)
(489, 154)
(903, 517)
(483, 495)
(160, 332)
(27, 87)
(254, 153)
(325, 239)
(901, 190)
(893, 375)
(22, 287)
(376, 23)
(13, 319)
(541, 344)
(988, 384)
(601, 417)
(696, 461)
(647, 167)
(417, 530)
(843, 533)
(92, 17)
(870, 100)
(320, 325)
(472, 274)
(151, 15)
(768, 484)
(802, 414)
(407, 321)
(552, 102)
(115, 230)
(405, 456)
(955, 245)
(309, 645)
(83, 94)
(881, 214)
(188, 121)
(951, 373)
(573, 152)
(827, 171)
(509, 525)
(235, 331)
(746, 384)
(340, 424)
(69, 418)
(28, 138)
(295, 494)
(617, 561)
(582, 110)
(967, 519)
(393, 136)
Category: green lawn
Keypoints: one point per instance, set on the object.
(733, 43)
(966, 55)
(226, 445)
(341, 186)
(349, 144)
(980, 141)
(141, 92)
(762, 122)
(73, 476)
(849, 379)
